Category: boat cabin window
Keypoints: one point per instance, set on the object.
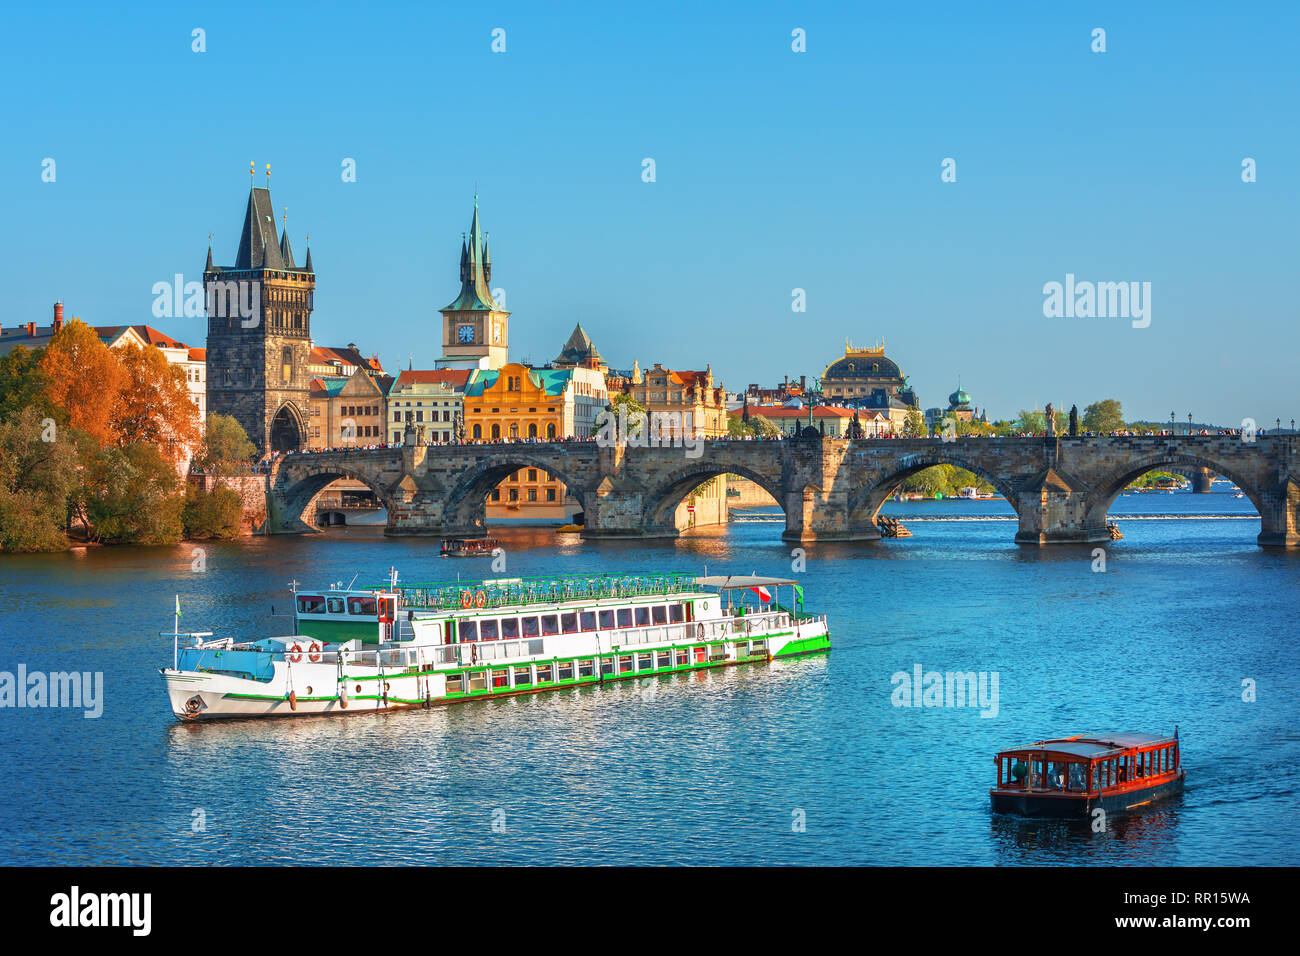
(487, 630)
(660, 614)
(335, 605)
(586, 668)
(528, 626)
(676, 614)
(625, 617)
(310, 604)
(468, 631)
(643, 617)
(550, 625)
(365, 606)
(569, 623)
(544, 674)
(509, 628)
(606, 620)
(588, 620)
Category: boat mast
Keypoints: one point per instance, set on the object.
(176, 636)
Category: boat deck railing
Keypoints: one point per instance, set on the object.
(517, 592)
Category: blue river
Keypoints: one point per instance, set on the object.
(800, 762)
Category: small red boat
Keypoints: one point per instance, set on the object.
(1073, 776)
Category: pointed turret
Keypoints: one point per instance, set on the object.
(286, 253)
(307, 264)
(258, 244)
(208, 267)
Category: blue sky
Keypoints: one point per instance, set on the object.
(775, 170)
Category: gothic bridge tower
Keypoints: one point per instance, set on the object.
(259, 332)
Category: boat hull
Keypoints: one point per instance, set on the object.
(317, 691)
(1079, 806)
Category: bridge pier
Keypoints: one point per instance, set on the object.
(1053, 509)
(1279, 516)
(1202, 481)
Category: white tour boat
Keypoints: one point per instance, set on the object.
(384, 648)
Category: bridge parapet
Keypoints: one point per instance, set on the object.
(830, 489)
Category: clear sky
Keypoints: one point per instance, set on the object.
(775, 170)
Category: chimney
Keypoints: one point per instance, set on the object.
(58, 316)
(802, 383)
(31, 329)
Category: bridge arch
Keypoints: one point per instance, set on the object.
(465, 509)
(866, 502)
(302, 483)
(660, 501)
(1103, 496)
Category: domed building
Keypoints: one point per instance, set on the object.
(959, 407)
(864, 373)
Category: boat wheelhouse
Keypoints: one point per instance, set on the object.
(418, 645)
(1073, 776)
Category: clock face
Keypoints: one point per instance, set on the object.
(465, 333)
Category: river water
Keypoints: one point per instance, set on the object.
(805, 761)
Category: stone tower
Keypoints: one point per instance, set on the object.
(259, 332)
(475, 330)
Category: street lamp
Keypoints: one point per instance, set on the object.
(1171, 423)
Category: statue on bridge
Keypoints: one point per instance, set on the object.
(1050, 414)
(460, 428)
(1074, 421)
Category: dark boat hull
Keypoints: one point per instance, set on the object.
(1080, 807)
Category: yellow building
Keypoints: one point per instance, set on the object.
(699, 402)
(518, 403)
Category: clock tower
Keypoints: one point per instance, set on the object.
(475, 330)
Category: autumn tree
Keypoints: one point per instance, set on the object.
(85, 378)
(154, 403)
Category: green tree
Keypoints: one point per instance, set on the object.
(1104, 416)
(211, 514)
(763, 427)
(38, 470)
(23, 385)
(1030, 421)
(914, 426)
(225, 444)
(129, 495)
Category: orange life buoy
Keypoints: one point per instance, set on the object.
(466, 599)
(480, 599)
(313, 652)
(295, 653)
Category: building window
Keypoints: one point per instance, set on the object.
(478, 431)
(286, 361)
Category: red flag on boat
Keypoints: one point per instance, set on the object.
(763, 593)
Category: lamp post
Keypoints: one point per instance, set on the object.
(1171, 423)
(1189, 423)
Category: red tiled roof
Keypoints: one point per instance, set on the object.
(198, 355)
(781, 411)
(455, 377)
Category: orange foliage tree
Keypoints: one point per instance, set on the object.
(154, 404)
(84, 377)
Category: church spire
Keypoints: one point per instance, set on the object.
(475, 271)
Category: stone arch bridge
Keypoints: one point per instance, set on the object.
(830, 489)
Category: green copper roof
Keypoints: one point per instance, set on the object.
(553, 381)
(475, 265)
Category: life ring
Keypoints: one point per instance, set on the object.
(295, 653)
(466, 599)
(313, 652)
(480, 599)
